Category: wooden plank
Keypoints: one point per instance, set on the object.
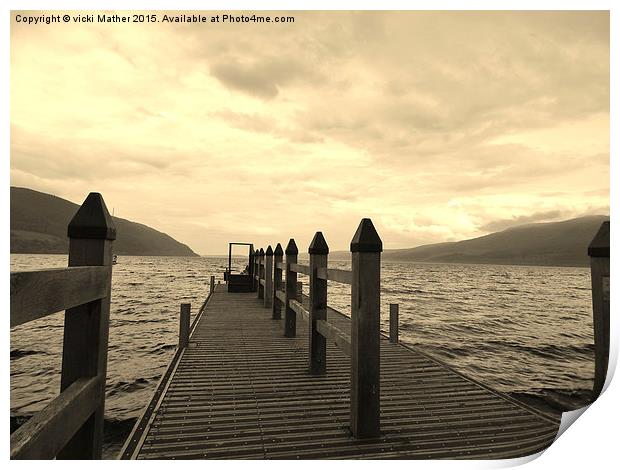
(280, 265)
(300, 268)
(262, 282)
(47, 432)
(336, 336)
(337, 275)
(281, 295)
(36, 294)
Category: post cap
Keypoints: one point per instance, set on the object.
(366, 239)
(318, 246)
(261, 252)
(278, 251)
(291, 248)
(92, 220)
(599, 246)
(269, 251)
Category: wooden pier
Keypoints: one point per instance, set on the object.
(242, 390)
(274, 373)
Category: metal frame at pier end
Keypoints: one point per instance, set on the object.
(240, 282)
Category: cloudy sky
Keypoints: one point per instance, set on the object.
(438, 125)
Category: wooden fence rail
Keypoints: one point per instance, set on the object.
(71, 425)
(362, 344)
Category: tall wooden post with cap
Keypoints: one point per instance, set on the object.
(85, 343)
(290, 317)
(317, 345)
(261, 273)
(252, 268)
(366, 248)
(268, 300)
(276, 308)
(599, 268)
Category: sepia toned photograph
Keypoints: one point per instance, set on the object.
(306, 234)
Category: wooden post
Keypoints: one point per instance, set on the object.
(290, 317)
(277, 283)
(393, 323)
(261, 273)
(317, 345)
(184, 325)
(254, 270)
(268, 300)
(212, 286)
(85, 343)
(252, 267)
(599, 268)
(366, 248)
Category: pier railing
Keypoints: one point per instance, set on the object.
(362, 342)
(71, 425)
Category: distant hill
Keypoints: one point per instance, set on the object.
(39, 225)
(543, 244)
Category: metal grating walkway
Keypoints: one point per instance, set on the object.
(241, 391)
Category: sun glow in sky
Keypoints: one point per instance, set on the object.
(438, 125)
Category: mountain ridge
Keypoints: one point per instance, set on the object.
(562, 243)
(39, 226)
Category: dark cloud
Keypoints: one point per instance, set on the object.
(262, 78)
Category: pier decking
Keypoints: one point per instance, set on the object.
(242, 390)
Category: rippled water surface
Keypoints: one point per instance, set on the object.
(520, 329)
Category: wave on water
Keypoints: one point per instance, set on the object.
(17, 353)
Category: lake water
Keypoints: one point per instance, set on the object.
(520, 329)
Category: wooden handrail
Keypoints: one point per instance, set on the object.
(299, 308)
(37, 294)
(281, 295)
(335, 335)
(342, 276)
(300, 268)
(46, 433)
